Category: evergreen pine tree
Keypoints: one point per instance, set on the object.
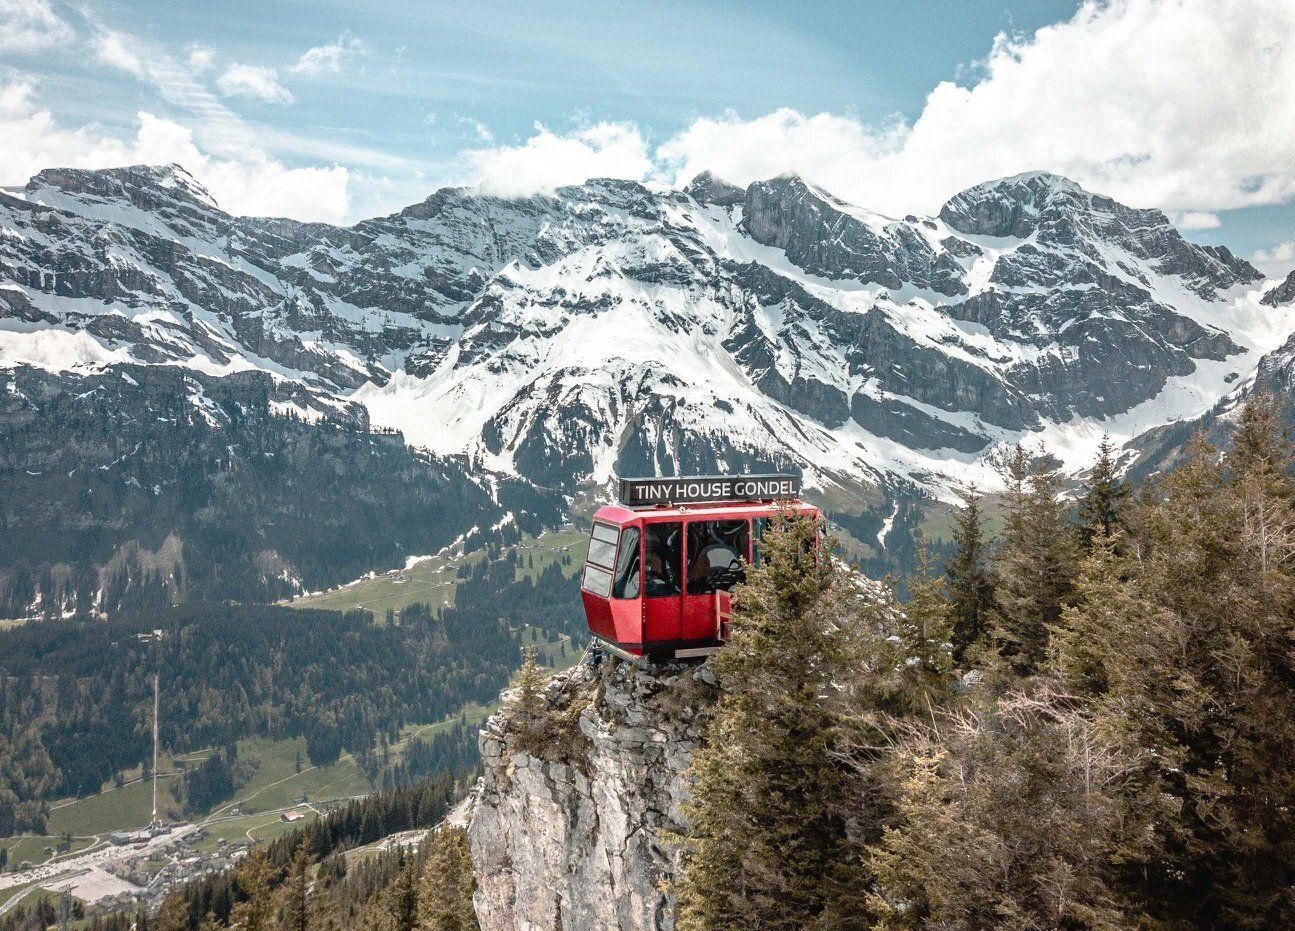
(296, 905)
(327, 913)
(173, 915)
(922, 659)
(1260, 447)
(445, 893)
(253, 876)
(1081, 642)
(1202, 674)
(1010, 812)
(529, 708)
(1033, 571)
(767, 847)
(1259, 466)
(1104, 499)
(399, 908)
(970, 592)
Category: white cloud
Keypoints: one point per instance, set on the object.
(253, 81)
(838, 152)
(479, 131)
(245, 181)
(117, 50)
(1198, 220)
(199, 58)
(330, 57)
(547, 160)
(1276, 262)
(30, 26)
(1181, 104)
(261, 186)
(33, 140)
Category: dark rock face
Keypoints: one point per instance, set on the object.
(1066, 219)
(1010, 207)
(98, 471)
(1284, 293)
(911, 427)
(822, 236)
(707, 189)
(1140, 340)
(940, 379)
(1276, 371)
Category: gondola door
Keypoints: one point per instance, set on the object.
(663, 591)
(717, 552)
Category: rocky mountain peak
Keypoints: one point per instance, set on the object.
(708, 189)
(439, 201)
(1283, 293)
(829, 237)
(1059, 216)
(144, 186)
(1011, 206)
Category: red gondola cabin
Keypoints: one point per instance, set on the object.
(662, 562)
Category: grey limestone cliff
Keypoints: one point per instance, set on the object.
(576, 834)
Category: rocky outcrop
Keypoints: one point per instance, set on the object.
(1283, 293)
(1009, 207)
(828, 237)
(1073, 231)
(708, 189)
(576, 834)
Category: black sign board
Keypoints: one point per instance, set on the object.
(640, 492)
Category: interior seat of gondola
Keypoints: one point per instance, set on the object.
(717, 552)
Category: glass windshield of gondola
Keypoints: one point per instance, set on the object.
(627, 565)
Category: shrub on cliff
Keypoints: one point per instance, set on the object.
(543, 725)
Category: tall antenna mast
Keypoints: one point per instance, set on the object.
(155, 690)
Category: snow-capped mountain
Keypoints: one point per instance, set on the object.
(613, 326)
(1160, 447)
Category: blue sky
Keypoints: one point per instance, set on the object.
(509, 65)
(338, 111)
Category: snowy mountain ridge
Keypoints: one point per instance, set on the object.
(610, 326)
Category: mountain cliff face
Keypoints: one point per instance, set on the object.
(551, 341)
(1159, 448)
(1283, 293)
(150, 485)
(577, 835)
